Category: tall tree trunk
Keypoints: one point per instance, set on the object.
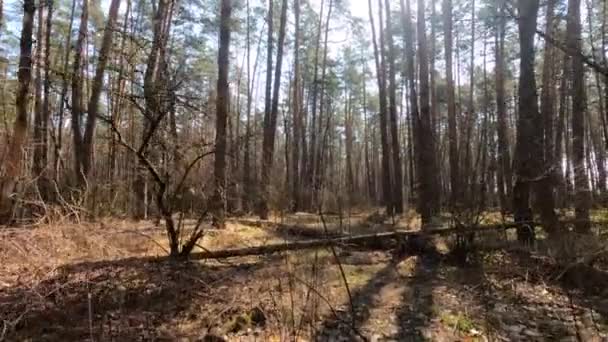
(37, 162)
(43, 181)
(579, 107)
(529, 149)
(262, 208)
(386, 178)
(12, 159)
(58, 139)
(41, 117)
(564, 90)
(524, 156)
(452, 129)
(248, 173)
(86, 160)
(153, 113)
(312, 159)
(223, 104)
(297, 115)
(348, 132)
(77, 88)
(392, 91)
(470, 117)
(545, 196)
(596, 135)
(320, 151)
(427, 162)
(504, 156)
(408, 37)
(548, 90)
(270, 122)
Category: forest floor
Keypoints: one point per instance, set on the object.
(98, 281)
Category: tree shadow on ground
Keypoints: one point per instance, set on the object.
(363, 301)
(416, 310)
(519, 304)
(126, 300)
(586, 282)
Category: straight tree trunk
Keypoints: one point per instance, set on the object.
(248, 173)
(222, 106)
(545, 196)
(524, 156)
(504, 156)
(470, 117)
(320, 151)
(413, 150)
(548, 90)
(58, 143)
(77, 89)
(262, 208)
(270, 122)
(394, 122)
(452, 129)
(312, 159)
(37, 162)
(564, 90)
(12, 160)
(579, 107)
(386, 179)
(297, 115)
(153, 113)
(86, 161)
(529, 148)
(43, 181)
(427, 162)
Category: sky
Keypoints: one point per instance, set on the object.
(13, 16)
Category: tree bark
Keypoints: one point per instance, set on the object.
(222, 103)
(579, 107)
(544, 187)
(297, 115)
(37, 162)
(270, 122)
(380, 72)
(58, 139)
(452, 129)
(470, 119)
(12, 161)
(394, 122)
(77, 89)
(529, 148)
(86, 158)
(427, 161)
(505, 176)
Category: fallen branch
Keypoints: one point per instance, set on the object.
(358, 240)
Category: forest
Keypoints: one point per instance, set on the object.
(303, 170)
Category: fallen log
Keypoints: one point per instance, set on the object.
(358, 240)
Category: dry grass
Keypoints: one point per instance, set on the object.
(48, 272)
(35, 251)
